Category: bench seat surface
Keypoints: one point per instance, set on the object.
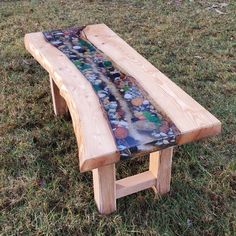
(146, 110)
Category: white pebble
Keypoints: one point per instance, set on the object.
(128, 96)
(156, 135)
(165, 142)
(98, 81)
(101, 95)
(112, 110)
(163, 134)
(121, 147)
(115, 122)
(159, 143)
(123, 123)
(76, 47)
(145, 102)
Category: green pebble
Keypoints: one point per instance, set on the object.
(85, 67)
(96, 87)
(83, 42)
(150, 117)
(88, 45)
(126, 88)
(107, 63)
(91, 49)
(77, 62)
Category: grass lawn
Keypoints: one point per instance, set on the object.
(41, 190)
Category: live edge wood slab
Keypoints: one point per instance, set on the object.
(99, 142)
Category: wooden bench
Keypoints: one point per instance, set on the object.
(120, 105)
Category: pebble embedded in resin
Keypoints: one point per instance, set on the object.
(136, 124)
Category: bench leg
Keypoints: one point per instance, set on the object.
(59, 104)
(105, 189)
(160, 166)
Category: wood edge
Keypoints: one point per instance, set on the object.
(202, 132)
(26, 40)
(85, 163)
(197, 132)
(26, 43)
(90, 164)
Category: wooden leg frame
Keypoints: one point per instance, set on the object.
(107, 189)
(59, 104)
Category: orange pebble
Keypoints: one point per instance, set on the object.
(121, 133)
(137, 101)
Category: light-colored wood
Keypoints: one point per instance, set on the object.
(95, 140)
(135, 183)
(160, 166)
(193, 121)
(105, 189)
(154, 163)
(59, 103)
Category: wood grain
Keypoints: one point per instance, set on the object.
(59, 103)
(160, 166)
(193, 121)
(104, 188)
(135, 183)
(94, 137)
(95, 140)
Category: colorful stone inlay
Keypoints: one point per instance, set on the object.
(137, 126)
